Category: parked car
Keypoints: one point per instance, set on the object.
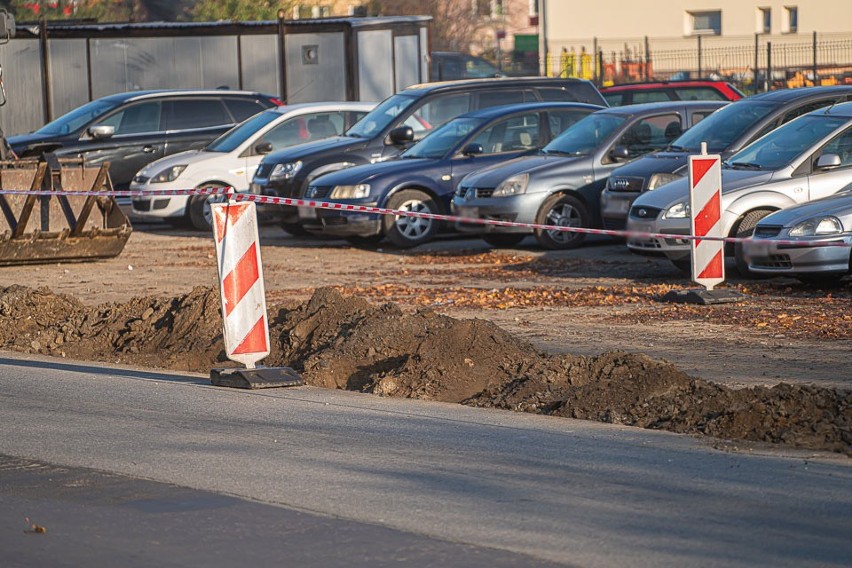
(453, 65)
(131, 130)
(231, 159)
(805, 159)
(726, 132)
(561, 185)
(425, 176)
(813, 224)
(659, 91)
(398, 121)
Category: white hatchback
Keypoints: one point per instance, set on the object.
(231, 159)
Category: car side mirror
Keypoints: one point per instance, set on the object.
(101, 131)
(828, 161)
(620, 153)
(401, 135)
(262, 148)
(473, 149)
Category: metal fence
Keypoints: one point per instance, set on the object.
(753, 63)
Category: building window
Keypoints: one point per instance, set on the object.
(482, 7)
(709, 22)
(533, 7)
(764, 20)
(791, 19)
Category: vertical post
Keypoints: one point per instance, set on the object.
(282, 57)
(542, 37)
(45, 71)
(768, 65)
(699, 58)
(647, 59)
(89, 68)
(594, 58)
(240, 61)
(599, 71)
(756, 62)
(816, 76)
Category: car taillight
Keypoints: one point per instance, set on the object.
(277, 102)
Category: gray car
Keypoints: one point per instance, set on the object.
(561, 184)
(812, 225)
(805, 159)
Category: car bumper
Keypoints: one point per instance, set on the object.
(280, 213)
(157, 206)
(767, 257)
(514, 209)
(340, 224)
(674, 248)
(614, 208)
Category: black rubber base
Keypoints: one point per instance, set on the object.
(260, 378)
(703, 297)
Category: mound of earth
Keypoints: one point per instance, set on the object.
(348, 343)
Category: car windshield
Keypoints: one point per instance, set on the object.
(77, 118)
(231, 140)
(380, 117)
(784, 144)
(443, 139)
(723, 127)
(586, 135)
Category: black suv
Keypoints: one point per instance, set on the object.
(726, 131)
(398, 121)
(131, 130)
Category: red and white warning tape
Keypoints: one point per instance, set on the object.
(293, 202)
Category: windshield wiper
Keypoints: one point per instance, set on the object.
(675, 148)
(746, 166)
(563, 153)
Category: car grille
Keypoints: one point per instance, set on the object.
(484, 192)
(142, 204)
(263, 170)
(767, 231)
(615, 224)
(140, 179)
(621, 183)
(318, 191)
(772, 261)
(645, 212)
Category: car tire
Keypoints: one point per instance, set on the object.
(294, 229)
(566, 211)
(198, 208)
(684, 265)
(504, 239)
(745, 229)
(407, 232)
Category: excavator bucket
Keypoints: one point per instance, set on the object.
(50, 228)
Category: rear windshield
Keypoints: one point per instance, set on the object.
(723, 127)
(77, 118)
(586, 135)
(380, 117)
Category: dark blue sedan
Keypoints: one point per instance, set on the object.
(425, 176)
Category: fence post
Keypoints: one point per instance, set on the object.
(599, 71)
(595, 57)
(816, 76)
(647, 59)
(768, 65)
(700, 74)
(282, 57)
(45, 70)
(755, 84)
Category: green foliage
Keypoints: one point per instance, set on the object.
(241, 10)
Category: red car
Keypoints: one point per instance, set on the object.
(699, 90)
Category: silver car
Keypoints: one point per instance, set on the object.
(805, 159)
(561, 185)
(812, 225)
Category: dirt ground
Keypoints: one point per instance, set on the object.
(571, 333)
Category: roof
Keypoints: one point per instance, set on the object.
(654, 108)
(467, 83)
(153, 93)
(652, 84)
(785, 95)
(495, 111)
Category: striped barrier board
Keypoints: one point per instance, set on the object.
(705, 203)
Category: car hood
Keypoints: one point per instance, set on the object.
(21, 141)
(678, 190)
(537, 164)
(839, 205)
(657, 163)
(182, 158)
(369, 172)
(301, 151)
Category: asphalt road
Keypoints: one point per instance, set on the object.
(191, 474)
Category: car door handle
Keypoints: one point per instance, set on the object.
(149, 149)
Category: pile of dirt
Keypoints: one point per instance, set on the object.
(348, 343)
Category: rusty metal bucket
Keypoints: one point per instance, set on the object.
(50, 228)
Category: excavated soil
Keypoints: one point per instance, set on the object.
(345, 342)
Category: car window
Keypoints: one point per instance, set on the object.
(436, 112)
(586, 135)
(562, 119)
(356, 115)
(475, 67)
(233, 138)
(613, 99)
(651, 133)
(324, 124)
(136, 119)
(288, 133)
(723, 127)
(187, 114)
(641, 96)
(557, 95)
(382, 116)
(77, 118)
(805, 109)
(842, 146)
(510, 135)
(241, 109)
(699, 94)
(700, 115)
(498, 98)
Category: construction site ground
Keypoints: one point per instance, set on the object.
(579, 334)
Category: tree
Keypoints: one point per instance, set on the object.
(454, 22)
(241, 10)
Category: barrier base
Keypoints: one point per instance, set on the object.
(260, 378)
(702, 296)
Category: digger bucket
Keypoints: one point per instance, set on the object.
(50, 228)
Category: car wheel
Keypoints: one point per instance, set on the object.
(504, 239)
(200, 214)
(562, 211)
(295, 229)
(407, 232)
(746, 229)
(684, 265)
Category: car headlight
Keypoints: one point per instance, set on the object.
(661, 179)
(168, 174)
(285, 171)
(350, 191)
(515, 185)
(677, 211)
(817, 226)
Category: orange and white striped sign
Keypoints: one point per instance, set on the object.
(705, 203)
(246, 329)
